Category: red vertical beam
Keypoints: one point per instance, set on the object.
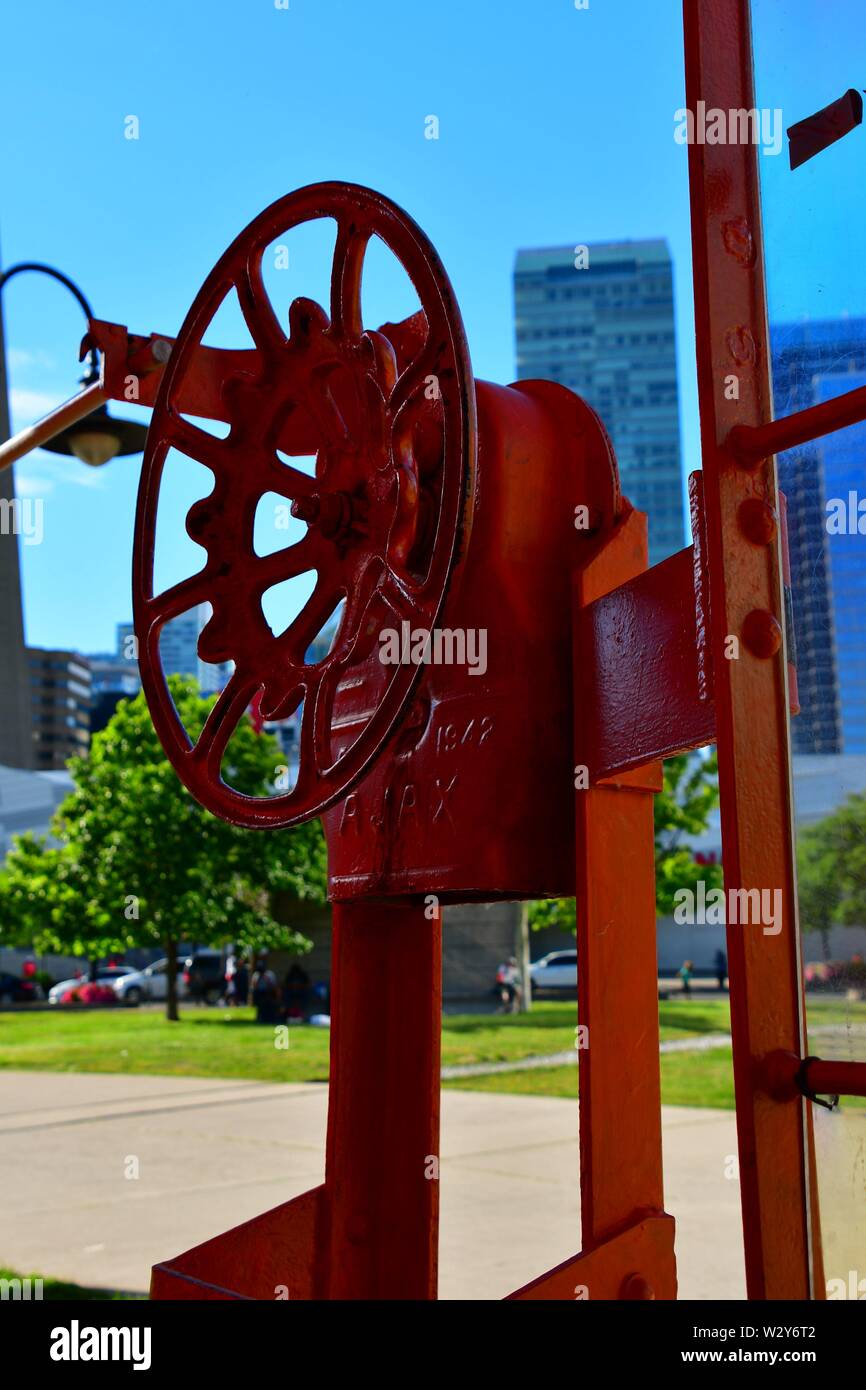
(383, 1116)
(751, 692)
(620, 1098)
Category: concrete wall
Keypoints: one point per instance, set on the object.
(476, 939)
(699, 944)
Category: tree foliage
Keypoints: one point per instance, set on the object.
(831, 869)
(683, 807)
(140, 863)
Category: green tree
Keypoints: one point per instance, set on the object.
(683, 807)
(140, 863)
(831, 870)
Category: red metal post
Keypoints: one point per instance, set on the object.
(620, 1098)
(749, 675)
(382, 1171)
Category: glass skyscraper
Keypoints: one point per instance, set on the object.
(606, 330)
(814, 362)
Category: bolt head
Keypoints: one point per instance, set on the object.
(758, 521)
(762, 634)
(306, 508)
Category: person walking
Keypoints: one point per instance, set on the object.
(508, 986)
(266, 994)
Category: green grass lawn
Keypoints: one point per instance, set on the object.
(688, 1078)
(228, 1044)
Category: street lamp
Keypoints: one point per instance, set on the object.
(97, 437)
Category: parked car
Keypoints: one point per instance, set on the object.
(556, 971)
(89, 992)
(14, 990)
(150, 983)
(105, 974)
(204, 976)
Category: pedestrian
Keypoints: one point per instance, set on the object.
(296, 991)
(241, 982)
(721, 968)
(685, 974)
(508, 986)
(266, 994)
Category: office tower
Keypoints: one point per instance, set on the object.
(606, 330)
(813, 362)
(178, 649)
(60, 684)
(844, 458)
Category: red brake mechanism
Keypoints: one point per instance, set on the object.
(389, 415)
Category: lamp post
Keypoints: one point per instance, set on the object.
(16, 726)
(93, 436)
(97, 437)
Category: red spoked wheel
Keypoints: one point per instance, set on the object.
(390, 416)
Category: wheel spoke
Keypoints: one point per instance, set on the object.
(322, 714)
(305, 554)
(312, 618)
(359, 596)
(308, 770)
(404, 602)
(180, 598)
(196, 443)
(414, 376)
(222, 721)
(349, 251)
(257, 309)
(288, 481)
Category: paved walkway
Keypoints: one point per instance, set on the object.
(570, 1057)
(214, 1153)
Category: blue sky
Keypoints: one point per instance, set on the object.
(556, 127)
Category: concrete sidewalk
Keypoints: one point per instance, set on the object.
(214, 1153)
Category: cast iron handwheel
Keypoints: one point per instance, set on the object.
(366, 524)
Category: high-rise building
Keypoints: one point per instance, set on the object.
(606, 330)
(114, 678)
(813, 362)
(60, 685)
(16, 730)
(178, 650)
(844, 458)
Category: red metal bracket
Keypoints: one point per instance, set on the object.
(637, 1264)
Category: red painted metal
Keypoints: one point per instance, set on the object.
(447, 800)
(750, 692)
(382, 1171)
(638, 672)
(464, 758)
(620, 1096)
(533, 776)
(648, 625)
(818, 1077)
(384, 432)
(752, 444)
(611, 1270)
(34, 436)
